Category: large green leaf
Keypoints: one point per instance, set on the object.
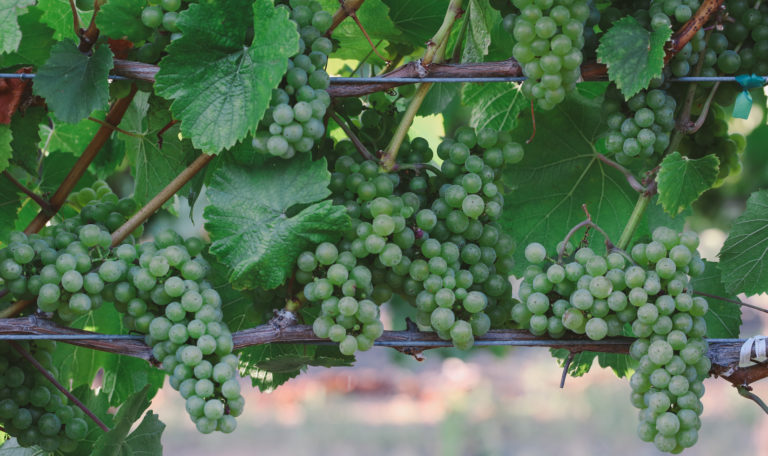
(682, 180)
(72, 83)
(145, 439)
(153, 166)
(742, 259)
(10, 202)
(438, 98)
(723, 318)
(494, 106)
(10, 33)
(6, 136)
(36, 41)
(57, 14)
(417, 20)
(248, 222)
(58, 136)
(123, 377)
(121, 19)
(560, 173)
(633, 55)
(55, 167)
(220, 85)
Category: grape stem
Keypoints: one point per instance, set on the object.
(164, 195)
(566, 365)
(561, 251)
(631, 179)
(346, 8)
(44, 205)
(746, 392)
(435, 53)
(634, 220)
(352, 136)
(75, 17)
(732, 301)
(28, 356)
(113, 118)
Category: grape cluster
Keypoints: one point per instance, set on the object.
(294, 120)
(163, 13)
(31, 409)
(63, 265)
(598, 295)
(430, 237)
(640, 127)
(167, 298)
(549, 36)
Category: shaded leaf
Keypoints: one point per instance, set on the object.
(146, 437)
(633, 55)
(36, 41)
(482, 18)
(417, 20)
(10, 202)
(723, 318)
(438, 98)
(6, 136)
(682, 180)
(121, 19)
(72, 83)
(248, 222)
(25, 138)
(271, 365)
(221, 86)
(742, 258)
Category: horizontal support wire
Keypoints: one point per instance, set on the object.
(379, 80)
(70, 337)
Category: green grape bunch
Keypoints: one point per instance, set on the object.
(549, 37)
(430, 237)
(31, 409)
(648, 290)
(294, 120)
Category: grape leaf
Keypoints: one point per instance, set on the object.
(417, 20)
(56, 135)
(221, 86)
(439, 98)
(72, 83)
(682, 180)
(373, 14)
(582, 362)
(477, 40)
(56, 166)
(123, 375)
(742, 258)
(26, 135)
(723, 318)
(10, 202)
(36, 41)
(153, 166)
(57, 14)
(559, 173)
(145, 439)
(10, 33)
(494, 106)
(247, 220)
(121, 19)
(633, 55)
(6, 136)
(271, 365)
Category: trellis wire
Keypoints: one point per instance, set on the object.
(380, 80)
(70, 337)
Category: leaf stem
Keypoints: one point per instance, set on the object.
(164, 195)
(746, 392)
(631, 179)
(732, 301)
(346, 8)
(44, 206)
(634, 220)
(114, 128)
(352, 136)
(28, 356)
(576, 228)
(58, 199)
(434, 53)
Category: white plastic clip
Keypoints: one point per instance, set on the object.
(745, 355)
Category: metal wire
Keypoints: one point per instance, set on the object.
(380, 80)
(69, 337)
